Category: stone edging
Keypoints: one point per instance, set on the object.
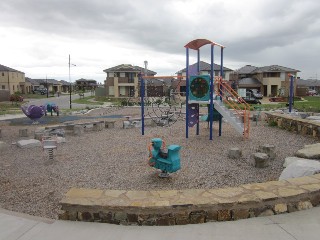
(177, 207)
(291, 123)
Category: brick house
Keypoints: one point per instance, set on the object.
(123, 81)
(271, 80)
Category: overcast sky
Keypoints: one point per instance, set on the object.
(37, 36)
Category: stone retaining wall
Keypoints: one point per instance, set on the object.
(295, 124)
(190, 206)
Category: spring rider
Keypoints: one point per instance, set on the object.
(168, 161)
(52, 107)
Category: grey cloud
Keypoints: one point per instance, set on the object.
(248, 32)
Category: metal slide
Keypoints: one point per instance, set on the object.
(228, 105)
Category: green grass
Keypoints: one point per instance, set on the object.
(90, 100)
(309, 104)
(9, 108)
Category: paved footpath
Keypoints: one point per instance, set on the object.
(302, 225)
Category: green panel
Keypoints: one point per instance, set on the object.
(199, 88)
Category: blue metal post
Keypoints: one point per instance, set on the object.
(211, 91)
(142, 103)
(221, 73)
(220, 125)
(198, 72)
(187, 91)
(291, 93)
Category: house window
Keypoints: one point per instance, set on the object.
(111, 90)
(122, 91)
(2, 74)
(122, 74)
(13, 87)
(271, 75)
(3, 87)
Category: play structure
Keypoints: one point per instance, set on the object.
(213, 92)
(51, 107)
(34, 112)
(166, 160)
(207, 90)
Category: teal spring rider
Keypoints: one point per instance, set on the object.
(168, 161)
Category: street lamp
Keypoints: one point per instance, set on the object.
(47, 87)
(70, 81)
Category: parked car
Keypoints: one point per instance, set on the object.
(256, 93)
(41, 91)
(249, 98)
(312, 93)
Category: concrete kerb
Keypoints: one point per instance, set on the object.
(176, 207)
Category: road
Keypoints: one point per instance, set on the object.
(63, 101)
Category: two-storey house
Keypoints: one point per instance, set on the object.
(271, 80)
(123, 80)
(12, 80)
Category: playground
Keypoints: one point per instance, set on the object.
(117, 158)
(201, 134)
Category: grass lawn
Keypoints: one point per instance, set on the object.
(9, 108)
(90, 100)
(309, 104)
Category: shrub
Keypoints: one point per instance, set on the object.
(272, 124)
(16, 98)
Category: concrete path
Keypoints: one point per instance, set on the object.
(300, 225)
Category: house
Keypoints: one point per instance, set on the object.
(65, 86)
(205, 69)
(271, 80)
(86, 84)
(12, 80)
(51, 84)
(123, 80)
(303, 86)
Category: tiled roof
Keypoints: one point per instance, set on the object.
(249, 81)
(308, 82)
(204, 66)
(128, 68)
(275, 68)
(41, 81)
(63, 82)
(246, 69)
(7, 69)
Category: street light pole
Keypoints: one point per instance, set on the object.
(47, 87)
(70, 83)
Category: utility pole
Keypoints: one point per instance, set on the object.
(47, 87)
(70, 83)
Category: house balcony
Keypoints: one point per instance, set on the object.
(125, 80)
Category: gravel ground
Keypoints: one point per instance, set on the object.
(117, 159)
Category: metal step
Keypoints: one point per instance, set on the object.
(230, 117)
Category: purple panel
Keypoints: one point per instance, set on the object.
(193, 70)
(193, 118)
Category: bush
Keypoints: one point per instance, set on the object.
(273, 124)
(16, 98)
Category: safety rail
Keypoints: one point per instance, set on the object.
(231, 98)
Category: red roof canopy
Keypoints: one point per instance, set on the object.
(198, 43)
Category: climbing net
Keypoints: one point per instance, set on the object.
(163, 100)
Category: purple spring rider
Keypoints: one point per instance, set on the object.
(34, 112)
